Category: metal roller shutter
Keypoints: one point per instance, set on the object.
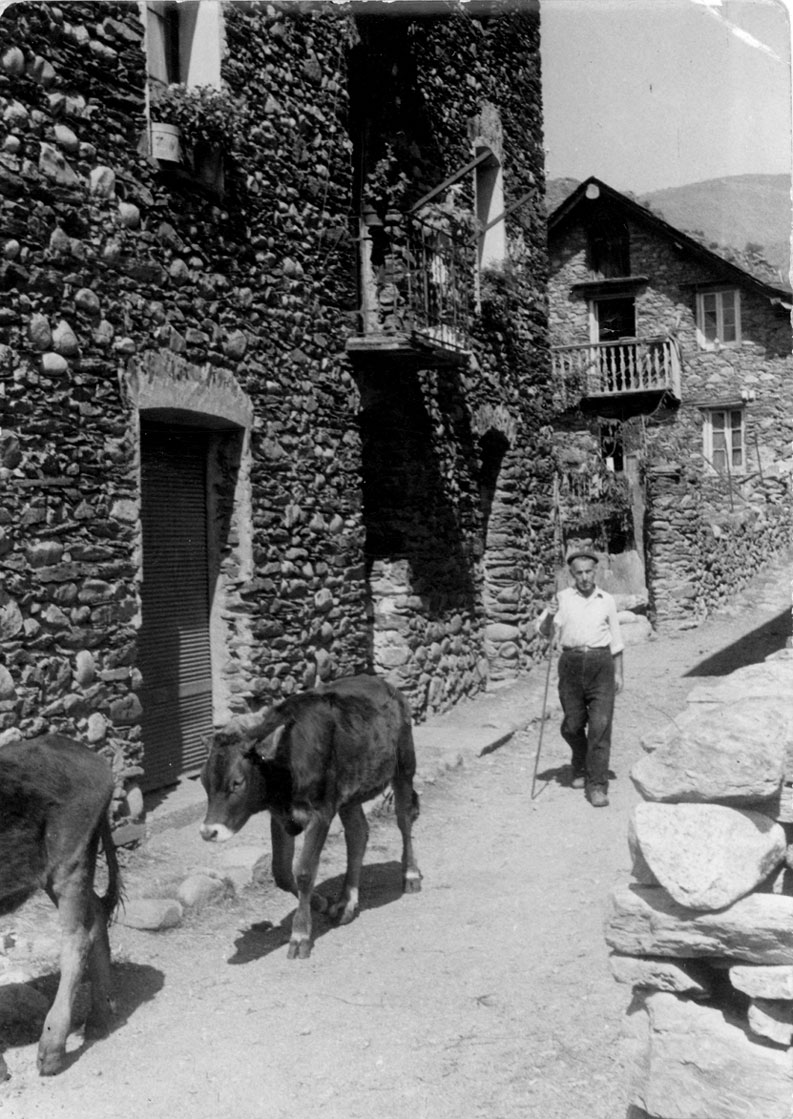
(174, 647)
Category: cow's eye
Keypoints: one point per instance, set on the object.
(236, 784)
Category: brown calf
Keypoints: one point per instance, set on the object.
(304, 760)
(54, 799)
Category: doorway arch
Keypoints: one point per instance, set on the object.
(192, 429)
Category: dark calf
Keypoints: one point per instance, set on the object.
(54, 800)
(304, 760)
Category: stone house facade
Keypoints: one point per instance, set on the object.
(273, 352)
(674, 380)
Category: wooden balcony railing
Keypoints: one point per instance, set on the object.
(610, 369)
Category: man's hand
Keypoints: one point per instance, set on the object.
(619, 680)
(545, 622)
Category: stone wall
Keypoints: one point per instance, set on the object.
(701, 553)
(702, 931)
(456, 475)
(130, 291)
(705, 535)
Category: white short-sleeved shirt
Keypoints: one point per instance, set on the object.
(586, 620)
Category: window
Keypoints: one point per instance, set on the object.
(612, 318)
(718, 318)
(724, 440)
(614, 363)
(609, 246)
(183, 42)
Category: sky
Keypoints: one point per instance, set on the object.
(649, 94)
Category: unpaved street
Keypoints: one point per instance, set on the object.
(488, 994)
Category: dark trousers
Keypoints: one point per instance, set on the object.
(586, 690)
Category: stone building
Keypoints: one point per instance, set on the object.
(273, 353)
(674, 379)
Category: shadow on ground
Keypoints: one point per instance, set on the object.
(133, 985)
(752, 648)
(381, 884)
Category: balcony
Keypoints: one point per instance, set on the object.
(416, 291)
(617, 378)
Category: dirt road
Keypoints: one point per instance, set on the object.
(488, 994)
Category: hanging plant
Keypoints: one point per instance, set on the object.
(600, 498)
(203, 114)
(500, 284)
(450, 215)
(386, 184)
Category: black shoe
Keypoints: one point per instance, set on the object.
(597, 796)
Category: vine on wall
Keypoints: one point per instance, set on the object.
(203, 114)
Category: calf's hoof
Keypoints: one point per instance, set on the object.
(411, 883)
(342, 912)
(299, 950)
(4, 1073)
(50, 1062)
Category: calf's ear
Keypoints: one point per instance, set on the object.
(266, 748)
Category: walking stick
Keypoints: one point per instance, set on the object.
(542, 717)
(558, 549)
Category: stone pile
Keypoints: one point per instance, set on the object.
(703, 931)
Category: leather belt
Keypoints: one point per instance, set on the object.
(585, 648)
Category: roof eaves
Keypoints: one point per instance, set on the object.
(642, 213)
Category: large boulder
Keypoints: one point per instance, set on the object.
(706, 855)
(732, 754)
(772, 679)
(700, 1064)
(647, 921)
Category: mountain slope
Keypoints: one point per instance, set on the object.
(734, 212)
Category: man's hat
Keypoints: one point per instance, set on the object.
(582, 555)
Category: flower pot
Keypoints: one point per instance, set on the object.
(166, 142)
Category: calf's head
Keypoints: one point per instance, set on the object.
(234, 782)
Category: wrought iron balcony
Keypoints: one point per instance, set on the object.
(642, 369)
(417, 277)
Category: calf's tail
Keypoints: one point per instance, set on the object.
(114, 893)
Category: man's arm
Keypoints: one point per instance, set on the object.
(619, 680)
(544, 623)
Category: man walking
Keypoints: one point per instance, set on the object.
(590, 672)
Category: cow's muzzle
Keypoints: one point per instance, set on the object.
(215, 833)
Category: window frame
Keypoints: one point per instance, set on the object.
(163, 64)
(719, 294)
(491, 241)
(729, 431)
(594, 312)
(188, 37)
